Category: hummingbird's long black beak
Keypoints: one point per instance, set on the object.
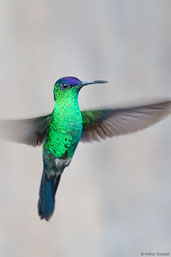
(85, 83)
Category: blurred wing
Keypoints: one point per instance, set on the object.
(99, 124)
(26, 131)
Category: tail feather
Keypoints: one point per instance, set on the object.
(47, 193)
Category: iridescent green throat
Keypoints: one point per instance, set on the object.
(66, 127)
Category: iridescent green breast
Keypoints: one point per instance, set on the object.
(65, 129)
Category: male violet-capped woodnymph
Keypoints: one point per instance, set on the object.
(62, 130)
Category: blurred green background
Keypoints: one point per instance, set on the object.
(115, 198)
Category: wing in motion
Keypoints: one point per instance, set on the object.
(26, 131)
(99, 124)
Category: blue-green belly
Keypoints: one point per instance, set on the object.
(64, 136)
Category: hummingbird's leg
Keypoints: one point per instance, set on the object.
(61, 164)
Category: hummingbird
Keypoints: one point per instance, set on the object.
(62, 130)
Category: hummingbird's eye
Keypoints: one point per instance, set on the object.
(65, 85)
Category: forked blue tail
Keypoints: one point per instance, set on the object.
(47, 193)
